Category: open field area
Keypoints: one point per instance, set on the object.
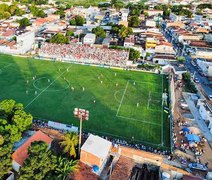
(127, 104)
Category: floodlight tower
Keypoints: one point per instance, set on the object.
(82, 115)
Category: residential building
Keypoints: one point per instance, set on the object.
(151, 43)
(206, 67)
(165, 48)
(129, 41)
(95, 152)
(163, 59)
(20, 155)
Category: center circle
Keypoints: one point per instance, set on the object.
(45, 83)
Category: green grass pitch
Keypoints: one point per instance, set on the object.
(127, 103)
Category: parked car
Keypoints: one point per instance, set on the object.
(210, 97)
(196, 80)
(197, 166)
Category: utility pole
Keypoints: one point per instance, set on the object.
(81, 114)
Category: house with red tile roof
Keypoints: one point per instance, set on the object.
(21, 154)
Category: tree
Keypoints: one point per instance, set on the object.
(180, 59)
(6, 15)
(125, 31)
(69, 142)
(77, 20)
(41, 14)
(61, 13)
(24, 22)
(134, 54)
(59, 39)
(146, 14)
(166, 13)
(13, 122)
(39, 162)
(134, 21)
(12, 9)
(69, 33)
(65, 167)
(1, 140)
(99, 32)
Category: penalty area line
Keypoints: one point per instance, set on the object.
(45, 88)
(122, 98)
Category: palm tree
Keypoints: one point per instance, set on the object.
(65, 167)
(69, 142)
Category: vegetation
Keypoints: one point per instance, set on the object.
(181, 59)
(69, 143)
(36, 12)
(134, 21)
(6, 11)
(77, 20)
(39, 163)
(24, 22)
(99, 32)
(134, 54)
(118, 4)
(59, 39)
(69, 33)
(43, 164)
(61, 13)
(13, 122)
(204, 6)
(36, 2)
(124, 31)
(189, 85)
(182, 10)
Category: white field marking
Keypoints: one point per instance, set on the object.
(149, 99)
(162, 117)
(147, 122)
(45, 88)
(122, 98)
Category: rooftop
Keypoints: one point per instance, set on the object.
(22, 152)
(122, 169)
(97, 146)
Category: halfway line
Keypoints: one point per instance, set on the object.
(122, 98)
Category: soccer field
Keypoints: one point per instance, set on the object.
(128, 104)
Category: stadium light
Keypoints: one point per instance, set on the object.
(81, 114)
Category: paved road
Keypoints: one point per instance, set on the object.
(189, 67)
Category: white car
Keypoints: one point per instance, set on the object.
(210, 97)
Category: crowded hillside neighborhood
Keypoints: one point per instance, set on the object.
(110, 89)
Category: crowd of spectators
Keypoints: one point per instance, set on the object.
(84, 54)
(115, 141)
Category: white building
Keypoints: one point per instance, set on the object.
(24, 43)
(205, 112)
(206, 67)
(150, 23)
(175, 17)
(89, 38)
(95, 152)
